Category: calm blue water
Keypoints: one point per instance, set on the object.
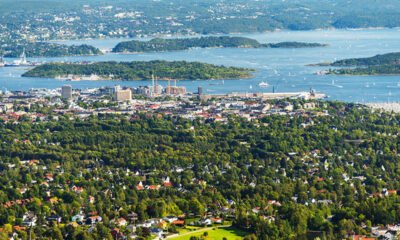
(283, 68)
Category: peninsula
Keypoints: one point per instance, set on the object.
(380, 59)
(138, 70)
(178, 44)
(385, 64)
(44, 49)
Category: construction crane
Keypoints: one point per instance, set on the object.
(169, 86)
(152, 86)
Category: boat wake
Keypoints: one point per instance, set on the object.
(335, 85)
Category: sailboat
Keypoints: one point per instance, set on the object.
(395, 86)
(263, 84)
(335, 85)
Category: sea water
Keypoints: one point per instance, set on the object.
(285, 70)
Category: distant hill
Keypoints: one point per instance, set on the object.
(210, 16)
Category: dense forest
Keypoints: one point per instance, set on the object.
(279, 179)
(42, 49)
(158, 44)
(140, 70)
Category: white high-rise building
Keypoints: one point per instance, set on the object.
(66, 91)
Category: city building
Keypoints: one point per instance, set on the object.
(177, 90)
(156, 90)
(122, 94)
(66, 91)
(143, 90)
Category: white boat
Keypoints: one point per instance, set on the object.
(396, 86)
(251, 86)
(2, 63)
(263, 84)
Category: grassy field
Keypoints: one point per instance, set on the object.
(215, 234)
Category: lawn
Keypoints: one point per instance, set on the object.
(217, 234)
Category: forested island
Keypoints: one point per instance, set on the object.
(177, 44)
(44, 49)
(380, 59)
(385, 64)
(140, 70)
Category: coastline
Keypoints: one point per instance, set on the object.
(365, 75)
(177, 35)
(79, 78)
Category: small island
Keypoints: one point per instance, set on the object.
(44, 49)
(138, 70)
(385, 64)
(178, 44)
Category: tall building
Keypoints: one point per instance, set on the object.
(177, 90)
(122, 94)
(156, 90)
(117, 88)
(66, 91)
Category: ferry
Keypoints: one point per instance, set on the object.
(263, 84)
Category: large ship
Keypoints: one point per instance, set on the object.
(21, 62)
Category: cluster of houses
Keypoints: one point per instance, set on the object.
(388, 232)
(17, 105)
